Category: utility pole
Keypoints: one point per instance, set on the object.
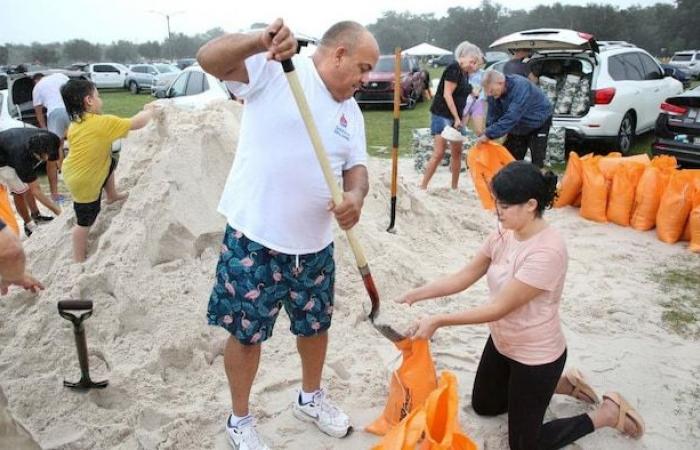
(167, 20)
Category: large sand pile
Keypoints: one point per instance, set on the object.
(150, 270)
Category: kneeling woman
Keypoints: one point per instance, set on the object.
(525, 262)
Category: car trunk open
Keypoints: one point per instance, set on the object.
(20, 100)
(566, 81)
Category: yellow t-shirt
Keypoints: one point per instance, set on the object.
(86, 167)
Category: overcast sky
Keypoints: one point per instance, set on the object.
(26, 21)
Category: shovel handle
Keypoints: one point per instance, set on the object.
(74, 305)
(336, 194)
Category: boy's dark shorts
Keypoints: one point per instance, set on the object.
(86, 213)
(253, 283)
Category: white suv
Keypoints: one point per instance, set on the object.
(626, 84)
(688, 61)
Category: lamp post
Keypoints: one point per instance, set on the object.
(167, 20)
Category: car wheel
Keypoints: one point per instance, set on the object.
(411, 101)
(625, 137)
(133, 87)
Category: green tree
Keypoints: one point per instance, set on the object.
(150, 50)
(44, 54)
(122, 52)
(80, 50)
(4, 55)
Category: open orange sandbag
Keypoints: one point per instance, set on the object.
(665, 162)
(609, 165)
(484, 160)
(405, 435)
(648, 196)
(7, 215)
(571, 182)
(675, 206)
(594, 194)
(442, 429)
(694, 219)
(621, 197)
(410, 384)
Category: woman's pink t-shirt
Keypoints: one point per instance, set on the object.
(530, 334)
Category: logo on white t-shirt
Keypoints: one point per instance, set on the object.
(341, 128)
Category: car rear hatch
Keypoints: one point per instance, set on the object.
(547, 39)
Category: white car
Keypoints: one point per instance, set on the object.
(104, 75)
(627, 85)
(688, 61)
(150, 76)
(194, 88)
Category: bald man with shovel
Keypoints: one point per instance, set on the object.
(278, 246)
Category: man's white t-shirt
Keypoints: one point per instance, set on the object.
(275, 193)
(47, 92)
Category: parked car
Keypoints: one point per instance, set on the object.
(688, 61)
(627, 85)
(492, 58)
(193, 88)
(443, 60)
(184, 63)
(678, 128)
(17, 106)
(678, 74)
(149, 76)
(379, 87)
(104, 75)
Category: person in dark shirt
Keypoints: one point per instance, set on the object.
(448, 106)
(519, 109)
(518, 66)
(21, 151)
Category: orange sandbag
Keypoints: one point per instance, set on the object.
(484, 160)
(694, 219)
(571, 183)
(404, 436)
(410, 385)
(664, 162)
(621, 197)
(674, 207)
(7, 215)
(648, 196)
(442, 429)
(594, 197)
(609, 165)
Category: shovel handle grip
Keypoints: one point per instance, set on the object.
(336, 194)
(74, 305)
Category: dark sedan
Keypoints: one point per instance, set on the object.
(678, 128)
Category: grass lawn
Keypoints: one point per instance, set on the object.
(122, 103)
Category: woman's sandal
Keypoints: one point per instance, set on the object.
(626, 411)
(575, 377)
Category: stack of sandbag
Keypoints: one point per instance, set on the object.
(422, 144)
(566, 95)
(549, 87)
(582, 98)
(556, 146)
(635, 191)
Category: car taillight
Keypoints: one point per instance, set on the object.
(604, 96)
(673, 110)
(585, 36)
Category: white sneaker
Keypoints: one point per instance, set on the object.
(244, 436)
(321, 411)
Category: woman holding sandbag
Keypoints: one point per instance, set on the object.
(525, 262)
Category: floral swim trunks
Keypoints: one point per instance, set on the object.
(253, 283)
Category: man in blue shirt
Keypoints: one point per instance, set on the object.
(520, 110)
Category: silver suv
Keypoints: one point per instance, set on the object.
(149, 76)
(688, 61)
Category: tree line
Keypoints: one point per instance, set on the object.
(661, 29)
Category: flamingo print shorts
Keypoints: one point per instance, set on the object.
(253, 283)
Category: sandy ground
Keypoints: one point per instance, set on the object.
(150, 270)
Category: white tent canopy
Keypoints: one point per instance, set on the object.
(425, 49)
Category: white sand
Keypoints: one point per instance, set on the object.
(150, 270)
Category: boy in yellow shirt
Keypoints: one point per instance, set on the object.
(89, 167)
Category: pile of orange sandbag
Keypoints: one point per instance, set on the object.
(635, 191)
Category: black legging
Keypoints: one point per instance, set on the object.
(535, 139)
(505, 385)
